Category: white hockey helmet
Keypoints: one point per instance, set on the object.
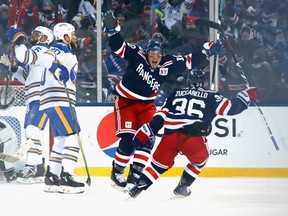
(44, 31)
(62, 29)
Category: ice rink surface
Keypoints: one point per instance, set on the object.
(210, 197)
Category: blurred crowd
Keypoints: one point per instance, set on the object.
(256, 29)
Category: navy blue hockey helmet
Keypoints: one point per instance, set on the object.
(196, 78)
(154, 46)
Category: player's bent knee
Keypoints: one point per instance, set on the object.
(125, 144)
(33, 132)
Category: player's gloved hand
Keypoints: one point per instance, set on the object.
(14, 66)
(5, 60)
(16, 36)
(110, 24)
(212, 48)
(247, 95)
(64, 74)
(144, 137)
(60, 72)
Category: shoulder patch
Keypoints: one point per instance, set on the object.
(163, 71)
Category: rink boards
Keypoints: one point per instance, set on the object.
(239, 145)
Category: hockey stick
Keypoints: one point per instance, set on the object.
(19, 154)
(230, 49)
(216, 57)
(88, 181)
(9, 91)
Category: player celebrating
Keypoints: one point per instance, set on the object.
(57, 82)
(35, 120)
(186, 116)
(134, 104)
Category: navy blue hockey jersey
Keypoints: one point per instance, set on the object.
(141, 82)
(189, 105)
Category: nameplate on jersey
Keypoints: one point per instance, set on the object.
(163, 71)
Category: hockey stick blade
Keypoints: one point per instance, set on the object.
(208, 23)
(19, 154)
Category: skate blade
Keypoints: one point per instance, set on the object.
(51, 188)
(24, 180)
(177, 197)
(71, 190)
(37, 180)
(128, 187)
(122, 189)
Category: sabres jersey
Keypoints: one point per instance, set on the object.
(33, 69)
(189, 105)
(53, 92)
(141, 82)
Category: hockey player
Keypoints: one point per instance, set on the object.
(134, 104)
(35, 120)
(186, 116)
(58, 82)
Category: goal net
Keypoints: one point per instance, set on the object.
(12, 116)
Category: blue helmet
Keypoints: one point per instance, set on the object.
(196, 77)
(154, 46)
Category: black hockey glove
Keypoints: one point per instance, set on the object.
(110, 24)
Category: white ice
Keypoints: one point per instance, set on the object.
(210, 197)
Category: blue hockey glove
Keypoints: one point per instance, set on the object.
(59, 71)
(64, 74)
(144, 137)
(16, 36)
(110, 24)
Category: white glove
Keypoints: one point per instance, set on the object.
(5, 60)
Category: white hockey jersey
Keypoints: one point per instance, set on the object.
(174, 14)
(53, 92)
(32, 59)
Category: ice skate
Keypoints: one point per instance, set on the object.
(132, 178)
(26, 175)
(40, 173)
(118, 180)
(51, 181)
(69, 185)
(10, 175)
(137, 188)
(181, 191)
(31, 174)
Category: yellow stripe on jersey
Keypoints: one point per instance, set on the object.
(26, 57)
(34, 57)
(32, 95)
(50, 52)
(63, 119)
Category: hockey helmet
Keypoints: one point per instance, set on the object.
(62, 29)
(44, 31)
(154, 46)
(196, 78)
